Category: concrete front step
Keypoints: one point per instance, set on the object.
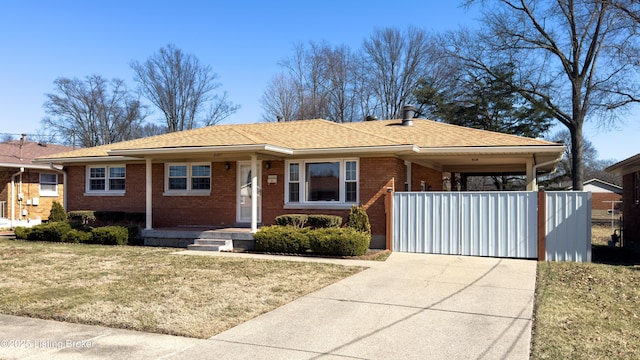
(211, 245)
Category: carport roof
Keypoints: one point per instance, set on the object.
(428, 140)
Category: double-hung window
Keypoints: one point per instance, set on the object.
(327, 182)
(48, 184)
(108, 179)
(187, 178)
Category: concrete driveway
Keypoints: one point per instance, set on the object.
(413, 306)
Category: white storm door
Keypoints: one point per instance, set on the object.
(244, 193)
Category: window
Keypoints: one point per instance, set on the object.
(48, 184)
(294, 182)
(332, 181)
(106, 179)
(188, 178)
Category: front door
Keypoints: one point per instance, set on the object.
(244, 193)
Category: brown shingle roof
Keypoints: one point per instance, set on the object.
(12, 153)
(433, 134)
(319, 134)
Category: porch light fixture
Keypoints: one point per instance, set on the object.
(227, 166)
(268, 165)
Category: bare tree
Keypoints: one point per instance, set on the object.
(574, 57)
(395, 62)
(630, 8)
(339, 71)
(319, 82)
(280, 100)
(92, 112)
(181, 87)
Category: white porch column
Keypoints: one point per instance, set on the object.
(149, 194)
(531, 177)
(254, 193)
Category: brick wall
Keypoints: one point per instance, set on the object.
(630, 212)
(431, 177)
(219, 209)
(30, 190)
(598, 201)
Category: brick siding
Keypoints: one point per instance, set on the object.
(30, 190)
(219, 208)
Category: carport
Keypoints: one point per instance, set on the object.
(513, 224)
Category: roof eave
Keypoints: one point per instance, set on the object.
(86, 159)
(625, 166)
(524, 149)
(141, 153)
(27, 166)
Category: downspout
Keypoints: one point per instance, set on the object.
(536, 166)
(13, 194)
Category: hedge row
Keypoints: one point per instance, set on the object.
(312, 221)
(63, 232)
(109, 217)
(323, 241)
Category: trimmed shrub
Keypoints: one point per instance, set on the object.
(132, 233)
(22, 233)
(49, 232)
(282, 239)
(135, 217)
(83, 217)
(57, 213)
(77, 236)
(339, 242)
(312, 220)
(110, 235)
(324, 221)
(294, 220)
(359, 220)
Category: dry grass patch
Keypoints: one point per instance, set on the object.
(148, 289)
(586, 311)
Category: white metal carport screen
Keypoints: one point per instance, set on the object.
(497, 224)
(568, 226)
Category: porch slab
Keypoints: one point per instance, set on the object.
(183, 237)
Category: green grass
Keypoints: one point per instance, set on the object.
(149, 289)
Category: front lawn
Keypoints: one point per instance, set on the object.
(148, 289)
(588, 310)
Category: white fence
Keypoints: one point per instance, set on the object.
(496, 224)
(568, 223)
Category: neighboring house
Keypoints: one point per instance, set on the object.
(247, 174)
(27, 190)
(603, 195)
(630, 171)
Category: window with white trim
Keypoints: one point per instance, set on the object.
(106, 179)
(48, 184)
(332, 181)
(188, 178)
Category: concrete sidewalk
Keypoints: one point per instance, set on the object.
(413, 306)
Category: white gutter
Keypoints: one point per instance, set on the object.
(493, 149)
(536, 166)
(85, 159)
(13, 194)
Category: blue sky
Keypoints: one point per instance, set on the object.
(242, 41)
